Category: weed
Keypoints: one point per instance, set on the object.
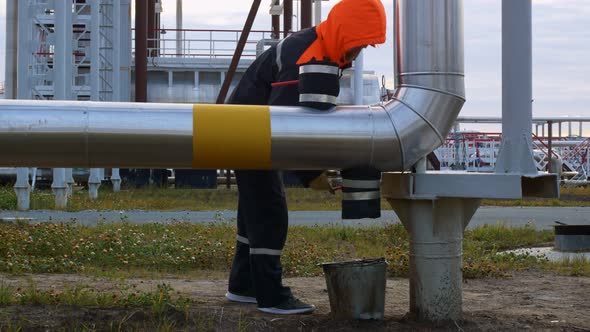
(578, 266)
(6, 294)
(117, 250)
(242, 323)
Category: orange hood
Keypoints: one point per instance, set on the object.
(350, 23)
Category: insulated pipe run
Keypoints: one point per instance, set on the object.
(388, 137)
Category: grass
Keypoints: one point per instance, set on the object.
(299, 199)
(125, 249)
(161, 304)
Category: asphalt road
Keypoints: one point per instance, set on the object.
(540, 217)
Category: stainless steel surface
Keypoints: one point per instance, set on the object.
(396, 135)
(435, 229)
(89, 134)
(453, 184)
(390, 137)
(516, 155)
(431, 45)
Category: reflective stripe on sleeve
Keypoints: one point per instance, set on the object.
(317, 98)
(361, 196)
(319, 69)
(265, 251)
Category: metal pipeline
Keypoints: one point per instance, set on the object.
(389, 137)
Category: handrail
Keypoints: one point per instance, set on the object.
(537, 138)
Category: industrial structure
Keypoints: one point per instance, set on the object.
(394, 136)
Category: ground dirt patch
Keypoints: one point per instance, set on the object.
(527, 301)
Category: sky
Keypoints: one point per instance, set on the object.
(561, 48)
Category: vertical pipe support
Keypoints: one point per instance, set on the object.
(238, 52)
(516, 155)
(287, 17)
(276, 27)
(118, 70)
(62, 84)
(151, 28)
(95, 64)
(141, 35)
(179, 27)
(317, 16)
(550, 146)
(22, 188)
(126, 50)
(22, 90)
(436, 230)
(306, 13)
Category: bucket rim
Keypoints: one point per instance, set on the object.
(358, 262)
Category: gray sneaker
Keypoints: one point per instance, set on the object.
(290, 306)
(243, 298)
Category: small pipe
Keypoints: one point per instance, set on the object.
(287, 17)
(550, 146)
(276, 26)
(179, 31)
(151, 28)
(318, 12)
(306, 14)
(238, 52)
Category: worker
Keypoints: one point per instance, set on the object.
(256, 273)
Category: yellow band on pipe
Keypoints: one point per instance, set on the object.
(231, 136)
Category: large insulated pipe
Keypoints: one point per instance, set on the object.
(389, 137)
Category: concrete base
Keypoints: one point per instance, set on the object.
(116, 180)
(435, 207)
(94, 183)
(70, 181)
(22, 188)
(60, 188)
(61, 198)
(436, 254)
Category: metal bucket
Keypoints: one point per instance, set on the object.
(356, 289)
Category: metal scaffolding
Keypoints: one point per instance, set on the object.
(75, 50)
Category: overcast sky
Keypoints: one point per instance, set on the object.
(561, 48)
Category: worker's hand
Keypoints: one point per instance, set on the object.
(326, 183)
